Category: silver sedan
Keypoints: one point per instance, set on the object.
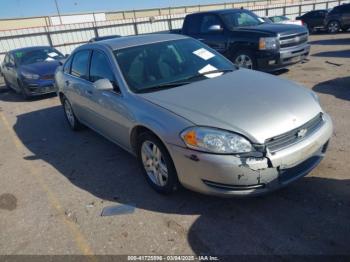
(191, 117)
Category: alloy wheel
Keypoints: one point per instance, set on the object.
(333, 27)
(69, 113)
(154, 164)
(244, 61)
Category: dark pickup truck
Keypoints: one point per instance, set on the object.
(247, 40)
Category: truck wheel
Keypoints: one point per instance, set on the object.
(333, 27)
(156, 164)
(244, 59)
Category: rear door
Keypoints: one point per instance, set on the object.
(346, 15)
(80, 89)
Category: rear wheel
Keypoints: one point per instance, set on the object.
(244, 59)
(156, 164)
(333, 27)
(70, 116)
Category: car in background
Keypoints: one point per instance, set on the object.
(247, 40)
(101, 38)
(192, 117)
(30, 71)
(281, 19)
(314, 20)
(338, 18)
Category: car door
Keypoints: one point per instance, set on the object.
(318, 18)
(109, 106)
(346, 15)
(212, 32)
(79, 88)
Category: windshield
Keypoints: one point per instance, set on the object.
(37, 55)
(169, 64)
(241, 18)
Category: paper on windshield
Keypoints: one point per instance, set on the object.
(52, 54)
(49, 59)
(209, 68)
(203, 53)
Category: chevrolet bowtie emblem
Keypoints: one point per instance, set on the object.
(301, 133)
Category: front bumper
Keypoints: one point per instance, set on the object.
(229, 175)
(39, 87)
(282, 59)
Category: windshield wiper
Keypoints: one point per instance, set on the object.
(182, 81)
(207, 73)
(163, 86)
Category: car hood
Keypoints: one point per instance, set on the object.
(41, 68)
(255, 104)
(277, 29)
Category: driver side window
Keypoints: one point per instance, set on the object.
(207, 22)
(100, 67)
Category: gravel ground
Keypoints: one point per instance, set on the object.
(55, 183)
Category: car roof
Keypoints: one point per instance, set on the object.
(129, 41)
(221, 11)
(30, 48)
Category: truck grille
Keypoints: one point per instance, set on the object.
(287, 139)
(293, 40)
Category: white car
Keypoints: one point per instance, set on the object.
(280, 19)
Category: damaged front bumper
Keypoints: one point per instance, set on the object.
(237, 176)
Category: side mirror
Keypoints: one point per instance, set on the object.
(66, 55)
(215, 28)
(104, 85)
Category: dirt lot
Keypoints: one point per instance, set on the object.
(55, 183)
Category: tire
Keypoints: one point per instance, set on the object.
(7, 84)
(72, 120)
(23, 91)
(245, 59)
(154, 157)
(333, 27)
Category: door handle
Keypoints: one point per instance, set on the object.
(89, 92)
(200, 39)
(67, 83)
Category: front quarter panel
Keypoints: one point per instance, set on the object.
(164, 123)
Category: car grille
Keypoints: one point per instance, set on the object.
(47, 77)
(287, 139)
(293, 40)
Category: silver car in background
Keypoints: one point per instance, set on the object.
(191, 117)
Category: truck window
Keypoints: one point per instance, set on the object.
(192, 25)
(241, 18)
(208, 21)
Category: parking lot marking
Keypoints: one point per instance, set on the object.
(80, 240)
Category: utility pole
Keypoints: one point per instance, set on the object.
(58, 12)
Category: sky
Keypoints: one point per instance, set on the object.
(27, 8)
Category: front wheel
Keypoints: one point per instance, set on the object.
(157, 164)
(244, 59)
(23, 90)
(333, 27)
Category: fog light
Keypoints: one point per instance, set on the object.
(272, 62)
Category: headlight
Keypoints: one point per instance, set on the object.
(268, 43)
(215, 141)
(30, 75)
